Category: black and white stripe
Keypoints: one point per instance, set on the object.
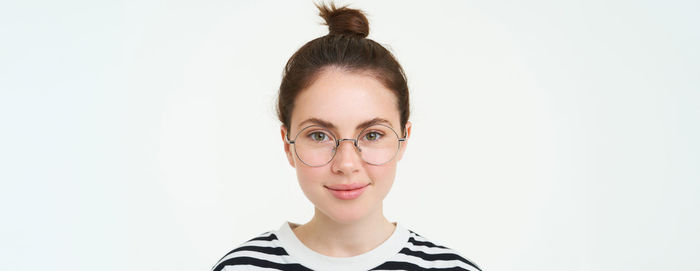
(421, 254)
(259, 253)
(265, 252)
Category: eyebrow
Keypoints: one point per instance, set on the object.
(329, 125)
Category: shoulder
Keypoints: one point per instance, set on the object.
(421, 253)
(262, 252)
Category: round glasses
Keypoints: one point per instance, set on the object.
(316, 146)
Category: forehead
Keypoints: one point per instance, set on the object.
(345, 99)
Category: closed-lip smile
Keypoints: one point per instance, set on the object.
(347, 191)
(346, 187)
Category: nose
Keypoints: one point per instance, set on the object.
(347, 157)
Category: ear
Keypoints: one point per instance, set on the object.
(404, 144)
(287, 146)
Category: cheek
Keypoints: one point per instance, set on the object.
(311, 181)
(382, 176)
(311, 176)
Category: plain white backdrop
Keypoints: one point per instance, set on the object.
(548, 135)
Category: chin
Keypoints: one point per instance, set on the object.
(346, 214)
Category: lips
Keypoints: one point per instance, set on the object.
(346, 187)
(347, 191)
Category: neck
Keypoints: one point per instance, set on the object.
(330, 238)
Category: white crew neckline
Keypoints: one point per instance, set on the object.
(364, 261)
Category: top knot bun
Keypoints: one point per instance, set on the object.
(344, 20)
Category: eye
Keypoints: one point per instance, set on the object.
(318, 136)
(373, 136)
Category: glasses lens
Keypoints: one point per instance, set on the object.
(314, 146)
(378, 144)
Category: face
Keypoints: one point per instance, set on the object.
(345, 100)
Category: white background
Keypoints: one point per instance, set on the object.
(548, 135)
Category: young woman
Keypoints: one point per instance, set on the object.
(344, 107)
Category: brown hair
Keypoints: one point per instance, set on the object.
(345, 47)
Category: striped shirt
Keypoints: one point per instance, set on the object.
(282, 250)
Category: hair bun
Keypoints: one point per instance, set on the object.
(344, 20)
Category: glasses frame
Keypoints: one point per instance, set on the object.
(338, 141)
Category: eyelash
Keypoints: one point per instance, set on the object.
(380, 134)
(312, 133)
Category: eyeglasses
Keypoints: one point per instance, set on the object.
(316, 146)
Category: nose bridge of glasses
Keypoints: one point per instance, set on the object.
(354, 143)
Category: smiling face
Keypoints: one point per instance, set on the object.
(345, 103)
